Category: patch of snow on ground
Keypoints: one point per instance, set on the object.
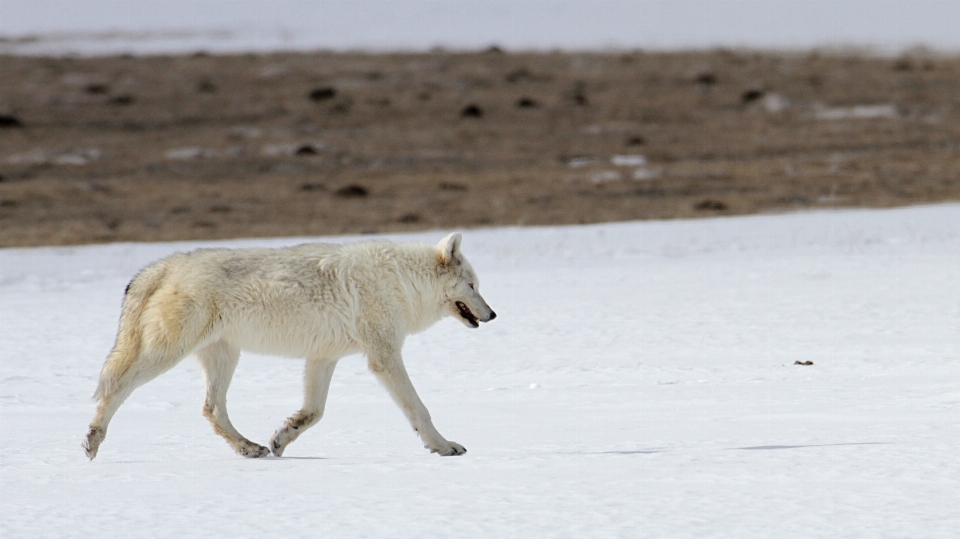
(639, 381)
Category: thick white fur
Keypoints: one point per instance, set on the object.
(314, 301)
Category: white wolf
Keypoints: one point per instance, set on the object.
(318, 301)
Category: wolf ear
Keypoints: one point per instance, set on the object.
(449, 247)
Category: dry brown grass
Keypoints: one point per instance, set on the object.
(722, 133)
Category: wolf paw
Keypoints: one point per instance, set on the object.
(92, 443)
(276, 445)
(252, 450)
(449, 449)
(91, 451)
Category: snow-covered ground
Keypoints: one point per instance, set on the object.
(185, 26)
(639, 381)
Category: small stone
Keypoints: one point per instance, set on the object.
(604, 176)
(353, 191)
(451, 186)
(306, 149)
(9, 120)
(471, 111)
(79, 157)
(527, 103)
(190, 152)
(97, 88)
(579, 162)
(714, 205)
(774, 103)
(706, 78)
(313, 186)
(751, 95)
(323, 94)
(206, 86)
(628, 160)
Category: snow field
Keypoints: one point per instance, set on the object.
(639, 381)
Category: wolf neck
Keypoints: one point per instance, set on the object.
(421, 288)
(425, 296)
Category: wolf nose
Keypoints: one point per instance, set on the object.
(492, 316)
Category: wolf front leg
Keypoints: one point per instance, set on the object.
(387, 364)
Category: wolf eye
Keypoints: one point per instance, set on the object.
(471, 286)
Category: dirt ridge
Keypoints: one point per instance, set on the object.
(199, 147)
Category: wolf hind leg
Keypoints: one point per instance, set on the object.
(218, 361)
(106, 408)
(316, 386)
(125, 371)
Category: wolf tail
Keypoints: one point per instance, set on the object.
(128, 347)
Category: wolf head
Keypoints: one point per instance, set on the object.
(461, 295)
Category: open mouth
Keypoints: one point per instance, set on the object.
(467, 315)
